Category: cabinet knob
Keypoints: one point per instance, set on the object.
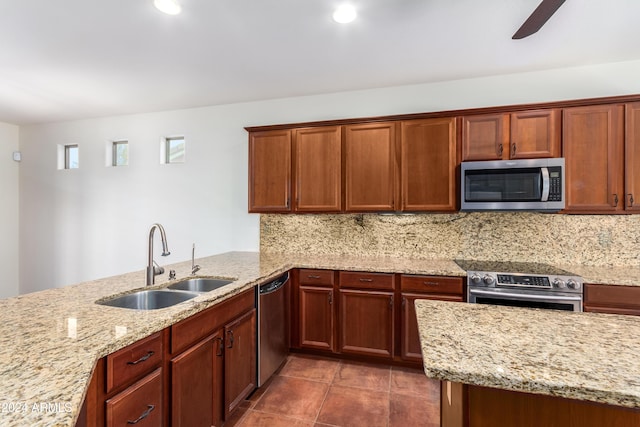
(513, 149)
(630, 200)
(391, 301)
(230, 339)
(500, 150)
(220, 346)
(330, 297)
(615, 200)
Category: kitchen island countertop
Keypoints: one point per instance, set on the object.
(584, 356)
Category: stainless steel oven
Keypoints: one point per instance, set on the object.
(520, 284)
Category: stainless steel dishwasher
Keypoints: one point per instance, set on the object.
(273, 326)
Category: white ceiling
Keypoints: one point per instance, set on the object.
(72, 59)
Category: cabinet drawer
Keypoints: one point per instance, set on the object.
(316, 277)
(610, 295)
(133, 361)
(194, 328)
(361, 280)
(140, 404)
(432, 284)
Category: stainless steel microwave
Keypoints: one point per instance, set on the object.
(513, 185)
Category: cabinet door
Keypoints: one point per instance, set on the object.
(316, 318)
(196, 378)
(370, 167)
(318, 169)
(270, 171)
(410, 348)
(429, 160)
(632, 158)
(239, 360)
(366, 323)
(485, 137)
(593, 149)
(535, 134)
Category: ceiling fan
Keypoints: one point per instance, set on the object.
(538, 18)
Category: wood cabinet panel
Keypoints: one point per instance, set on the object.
(194, 328)
(318, 169)
(485, 137)
(428, 164)
(239, 360)
(270, 171)
(535, 134)
(362, 280)
(632, 158)
(196, 386)
(316, 318)
(316, 277)
(612, 299)
(432, 284)
(140, 404)
(593, 149)
(410, 348)
(495, 407)
(366, 323)
(370, 167)
(133, 361)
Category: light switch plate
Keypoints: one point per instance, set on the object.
(17, 156)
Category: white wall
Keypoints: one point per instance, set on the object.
(93, 222)
(8, 211)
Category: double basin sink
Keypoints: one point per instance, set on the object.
(173, 294)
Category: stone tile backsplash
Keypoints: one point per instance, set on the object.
(599, 240)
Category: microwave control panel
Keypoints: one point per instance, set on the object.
(555, 184)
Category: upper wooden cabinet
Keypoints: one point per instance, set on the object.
(522, 135)
(593, 146)
(318, 169)
(632, 158)
(270, 171)
(428, 164)
(370, 167)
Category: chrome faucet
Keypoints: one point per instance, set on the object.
(154, 269)
(194, 267)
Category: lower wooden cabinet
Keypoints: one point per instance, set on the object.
(316, 318)
(140, 404)
(612, 299)
(239, 360)
(366, 323)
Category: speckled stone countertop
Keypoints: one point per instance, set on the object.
(51, 340)
(584, 356)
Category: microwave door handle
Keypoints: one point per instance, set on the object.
(545, 184)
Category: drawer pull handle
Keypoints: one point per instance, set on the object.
(311, 276)
(230, 339)
(366, 280)
(142, 359)
(220, 346)
(431, 283)
(144, 415)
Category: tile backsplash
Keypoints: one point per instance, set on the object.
(599, 240)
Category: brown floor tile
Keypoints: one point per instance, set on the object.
(414, 382)
(413, 411)
(294, 397)
(372, 377)
(236, 418)
(311, 368)
(263, 419)
(354, 407)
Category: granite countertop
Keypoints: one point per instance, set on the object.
(51, 340)
(584, 356)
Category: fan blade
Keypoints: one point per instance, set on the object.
(538, 18)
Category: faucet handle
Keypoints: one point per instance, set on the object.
(172, 274)
(157, 269)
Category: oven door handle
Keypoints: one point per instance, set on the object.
(525, 296)
(545, 184)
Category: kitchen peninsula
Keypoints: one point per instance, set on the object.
(50, 340)
(497, 350)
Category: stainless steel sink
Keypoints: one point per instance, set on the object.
(200, 284)
(149, 300)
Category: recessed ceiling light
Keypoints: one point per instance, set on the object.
(170, 7)
(344, 14)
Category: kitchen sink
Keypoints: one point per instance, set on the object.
(149, 299)
(200, 284)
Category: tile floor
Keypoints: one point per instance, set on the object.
(316, 392)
